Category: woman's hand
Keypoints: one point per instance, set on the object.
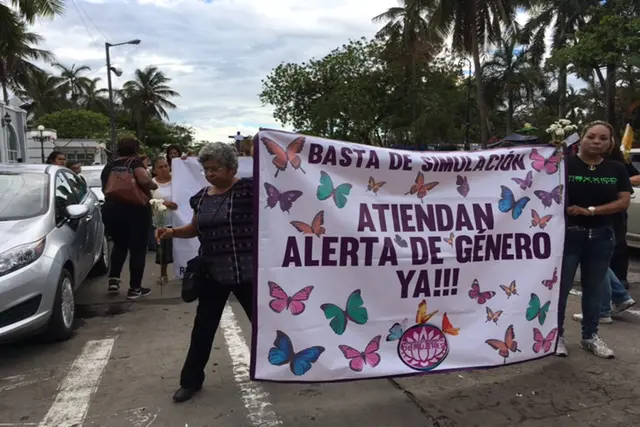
(170, 205)
(163, 233)
(578, 211)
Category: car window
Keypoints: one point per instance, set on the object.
(23, 195)
(635, 160)
(77, 185)
(92, 176)
(64, 195)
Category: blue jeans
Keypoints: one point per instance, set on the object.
(614, 292)
(592, 250)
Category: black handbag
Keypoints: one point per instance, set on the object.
(192, 279)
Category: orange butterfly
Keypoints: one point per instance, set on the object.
(375, 186)
(283, 158)
(316, 226)
(421, 188)
(493, 316)
(536, 221)
(447, 327)
(422, 316)
(450, 239)
(510, 290)
(508, 345)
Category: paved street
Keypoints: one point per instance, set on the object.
(123, 366)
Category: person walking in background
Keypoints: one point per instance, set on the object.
(613, 293)
(76, 166)
(164, 254)
(173, 152)
(127, 223)
(151, 241)
(56, 158)
(223, 222)
(597, 189)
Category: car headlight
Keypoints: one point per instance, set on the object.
(20, 256)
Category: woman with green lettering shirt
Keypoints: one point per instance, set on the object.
(597, 189)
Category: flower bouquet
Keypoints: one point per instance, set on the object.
(559, 130)
(159, 218)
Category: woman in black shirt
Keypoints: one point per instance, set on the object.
(597, 189)
(223, 222)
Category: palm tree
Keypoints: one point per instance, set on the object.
(13, 12)
(43, 92)
(474, 25)
(16, 54)
(147, 97)
(73, 82)
(93, 98)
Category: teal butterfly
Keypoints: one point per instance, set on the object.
(354, 312)
(326, 190)
(536, 309)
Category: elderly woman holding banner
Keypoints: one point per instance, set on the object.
(223, 222)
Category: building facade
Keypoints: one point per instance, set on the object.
(86, 151)
(13, 138)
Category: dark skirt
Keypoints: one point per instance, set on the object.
(164, 252)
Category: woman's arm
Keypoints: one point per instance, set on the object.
(186, 231)
(635, 180)
(144, 179)
(624, 199)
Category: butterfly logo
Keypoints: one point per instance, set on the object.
(476, 294)
(354, 312)
(375, 186)
(510, 290)
(508, 345)
(508, 203)
(548, 197)
(400, 241)
(447, 327)
(542, 343)
(358, 359)
(450, 239)
(550, 282)
(422, 316)
(299, 363)
(550, 165)
(396, 331)
(493, 316)
(316, 227)
(283, 158)
(463, 185)
(282, 301)
(525, 183)
(537, 221)
(326, 190)
(536, 309)
(420, 188)
(286, 199)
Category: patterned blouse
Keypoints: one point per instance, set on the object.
(225, 231)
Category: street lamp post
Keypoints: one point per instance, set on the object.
(41, 138)
(112, 114)
(467, 146)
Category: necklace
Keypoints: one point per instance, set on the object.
(590, 166)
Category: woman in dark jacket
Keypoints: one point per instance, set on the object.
(223, 222)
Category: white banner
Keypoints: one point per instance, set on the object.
(375, 262)
(187, 179)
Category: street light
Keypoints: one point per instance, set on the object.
(41, 130)
(117, 72)
(467, 146)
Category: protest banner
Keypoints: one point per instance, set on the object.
(374, 262)
(187, 178)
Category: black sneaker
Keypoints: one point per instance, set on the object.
(138, 293)
(114, 285)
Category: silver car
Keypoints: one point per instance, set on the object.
(52, 238)
(91, 174)
(633, 223)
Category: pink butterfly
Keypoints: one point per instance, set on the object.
(282, 301)
(475, 293)
(526, 182)
(549, 283)
(548, 197)
(538, 221)
(549, 165)
(541, 343)
(463, 185)
(358, 359)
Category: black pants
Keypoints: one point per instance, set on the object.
(128, 227)
(210, 307)
(620, 260)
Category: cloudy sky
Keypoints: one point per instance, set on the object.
(215, 51)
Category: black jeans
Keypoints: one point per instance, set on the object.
(620, 260)
(128, 227)
(210, 307)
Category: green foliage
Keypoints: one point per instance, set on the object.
(76, 123)
(159, 134)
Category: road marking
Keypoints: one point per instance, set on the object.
(578, 293)
(254, 397)
(74, 394)
(22, 384)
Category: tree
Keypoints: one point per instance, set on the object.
(14, 12)
(42, 90)
(93, 98)
(73, 82)
(159, 134)
(76, 123)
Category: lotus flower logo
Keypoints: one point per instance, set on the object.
(423, 347)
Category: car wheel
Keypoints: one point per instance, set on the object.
(102, 266)
(60, 326)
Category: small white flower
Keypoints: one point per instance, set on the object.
(564, 122)
(548, 130)
(161, 208)
(553, 127)
(559, 132)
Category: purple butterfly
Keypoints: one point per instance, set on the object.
(286, 199)
(463, 185)
(526, 182)
(548, 198)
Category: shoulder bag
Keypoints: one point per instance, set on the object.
(123, 187)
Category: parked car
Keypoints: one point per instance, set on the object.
(52, 238)
(91, 174)
(633, 223)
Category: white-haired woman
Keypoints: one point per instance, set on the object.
(223, 222)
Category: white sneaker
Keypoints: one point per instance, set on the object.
(598, 347)
(561, 349)
(626, 305)
(603, 320)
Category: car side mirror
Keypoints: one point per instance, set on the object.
(76, 211)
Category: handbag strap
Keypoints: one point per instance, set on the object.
(215, 214)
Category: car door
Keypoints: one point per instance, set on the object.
(66, 196)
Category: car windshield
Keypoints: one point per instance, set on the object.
(92, 177)
(23, 195)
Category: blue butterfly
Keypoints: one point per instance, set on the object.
(396, 331)
(283, 353)
(508, 203)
